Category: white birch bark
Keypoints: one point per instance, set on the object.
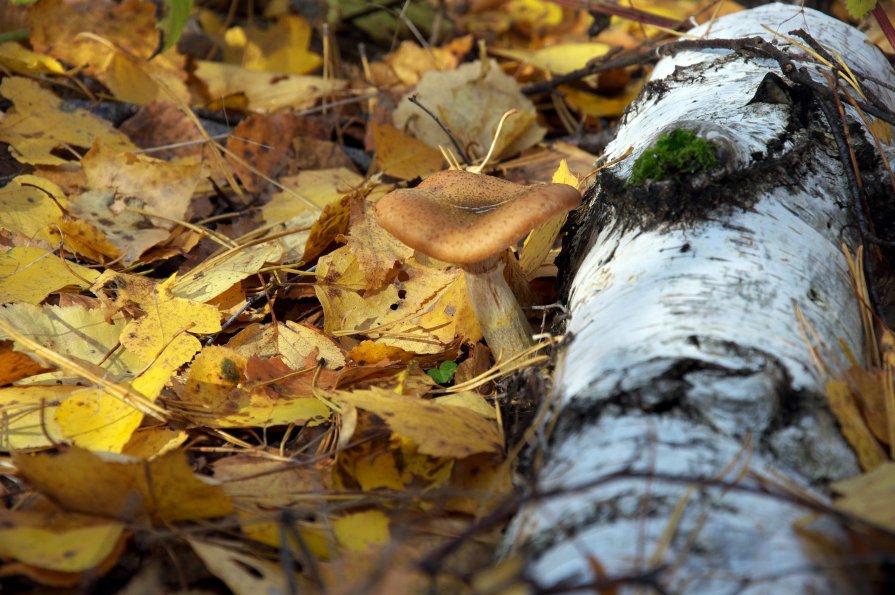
(686, 357)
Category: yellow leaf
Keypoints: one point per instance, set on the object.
(18, 59)
(137, 81)
(557, 59)
(332, 223)
(161, 490)
(28, 416)
(438, 430)
(422, 310)
(309, 191)
(150, 442)
(226, 390)
(52, 540)
(164, 332)
(29, 274)
(478, 484)
(57, 27)
(541, 239)
(394, 464)
(538, 14)
(408, 63)
(214, 373)
(77, 333)
(29, 211)
(360, 530)
(599, 106)
(220, 273)
(37, 125)
(402, 156)
(291, 340)
(81, 237)
(870, 496)
(378, 252)
(469, 400)
(258, 485)
(280, 48)
(96, 420)
(842, 404)
(265, 91)
(371, 352)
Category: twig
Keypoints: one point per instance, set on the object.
(415, 101)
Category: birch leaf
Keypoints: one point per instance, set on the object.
(541, 239)
(63, 542)
(37, 126)
(438, 430)
(470, 102)
(362, 530)
(29, 274)
(162, 490)
(402, 156)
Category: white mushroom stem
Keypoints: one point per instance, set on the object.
(500, 317)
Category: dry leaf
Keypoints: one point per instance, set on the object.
(264, 91)
(162, 490)
(438, 430)
(402, 156)
(470, 101)
(51, 539)
(29, 274)
(37, 125)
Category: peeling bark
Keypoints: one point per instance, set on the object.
(686, 364)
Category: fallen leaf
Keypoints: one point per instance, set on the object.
(162, 490)
(438, 430)
(30, 206)
(291, 340)
(56, 27)
(402, 156)
(470, 102)
(37, 125)
(30, 274)
(20, 60)
(219, 273)
(561, 58)
(283, 47)
(869, 496)
(378, 253)
(542, 238)
(264, 91)
(258, 148)
(842, 404)
(63, 542)
(421, 310)
(226, 390)
(129, 231)
(16, 366)
(362, 530)
(29, 416)
(154, 186)
(243, 574)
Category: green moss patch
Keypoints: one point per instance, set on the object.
(678, 153)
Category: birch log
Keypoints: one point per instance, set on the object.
(685, 356)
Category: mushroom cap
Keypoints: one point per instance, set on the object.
(465, 218)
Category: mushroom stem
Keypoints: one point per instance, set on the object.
(499, 315)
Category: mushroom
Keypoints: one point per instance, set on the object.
(470, 220)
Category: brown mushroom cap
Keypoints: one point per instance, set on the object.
(466, 218)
